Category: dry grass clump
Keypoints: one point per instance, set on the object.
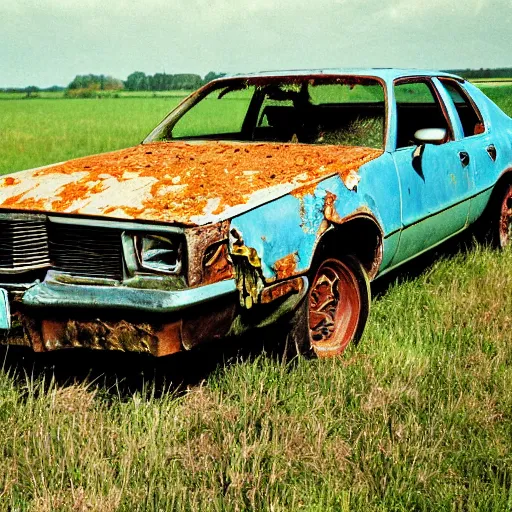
(77, 500)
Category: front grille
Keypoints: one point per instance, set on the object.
(23, 244)
(86, 251)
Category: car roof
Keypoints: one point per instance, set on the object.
(386, 74)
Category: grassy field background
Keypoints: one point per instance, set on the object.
(40, 131)
(35, 132)
(417, 417)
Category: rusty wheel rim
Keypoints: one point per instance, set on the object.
(334, 308)
(505, 226)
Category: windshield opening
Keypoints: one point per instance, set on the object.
(308, 110)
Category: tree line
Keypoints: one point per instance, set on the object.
(483, 73)
(89, 85)
(139, 81)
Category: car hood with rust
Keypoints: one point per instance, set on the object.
(179, 182)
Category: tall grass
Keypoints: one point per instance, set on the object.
(500, 94)
(418, 417)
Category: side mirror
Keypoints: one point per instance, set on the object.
(430, 136)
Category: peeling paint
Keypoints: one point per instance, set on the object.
(279, 290)
(217, 266)
(351, 179)
(330, 213)
(311, 211)
(248, 273)
(198, 242)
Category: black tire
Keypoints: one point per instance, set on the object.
(334, 311)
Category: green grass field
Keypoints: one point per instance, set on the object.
(417, 417)
(36, 132)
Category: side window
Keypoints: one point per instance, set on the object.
(417, 108)
(470, 118)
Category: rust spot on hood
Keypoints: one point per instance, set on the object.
(9, 180)
(185, 183)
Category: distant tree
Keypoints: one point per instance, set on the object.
(158, 82)
(95, 83)
(112, 84)
(137, 81)
(31, 90)
(85, 82)
(185, 81)
(212, 76)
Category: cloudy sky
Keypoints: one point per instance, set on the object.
(46, 42)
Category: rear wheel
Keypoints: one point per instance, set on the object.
(495, 225)
(504, 221)
(335, 310)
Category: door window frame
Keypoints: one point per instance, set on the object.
(438, 99)
(467, 97)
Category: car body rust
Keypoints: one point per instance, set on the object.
(182, 183)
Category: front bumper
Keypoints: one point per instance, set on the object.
(54, 315)
(55, 294)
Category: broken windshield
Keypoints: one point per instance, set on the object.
(310, 110)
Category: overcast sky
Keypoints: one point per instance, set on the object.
(47, 42)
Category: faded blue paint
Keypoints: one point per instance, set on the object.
(292, 224)
(442, 183)
(415, 210)
(498, 133)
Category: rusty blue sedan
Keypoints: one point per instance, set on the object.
(263, 199)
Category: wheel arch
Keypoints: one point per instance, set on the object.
(485, 226)
(360, 236)
(505, 178)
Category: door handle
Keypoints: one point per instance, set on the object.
(491, 151)
(464, 158)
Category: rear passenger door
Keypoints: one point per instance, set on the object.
(481, 146)
(434, 178)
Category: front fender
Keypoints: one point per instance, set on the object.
(284, 233)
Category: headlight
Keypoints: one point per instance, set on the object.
(159, 253)
(216, 263)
